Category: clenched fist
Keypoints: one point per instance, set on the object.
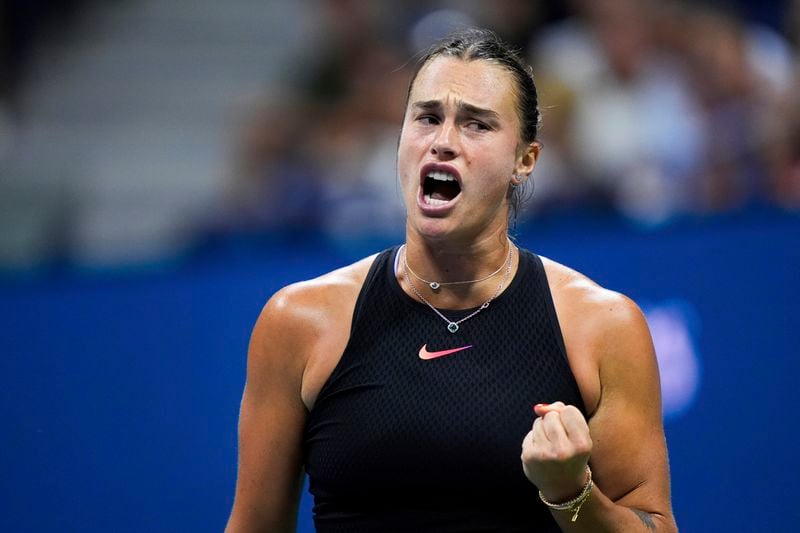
(556, 450)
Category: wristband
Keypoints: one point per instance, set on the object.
(573, 505)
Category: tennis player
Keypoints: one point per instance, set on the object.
(456, 382)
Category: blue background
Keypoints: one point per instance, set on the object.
(120, 390)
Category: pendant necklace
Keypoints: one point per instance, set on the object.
(452, 326)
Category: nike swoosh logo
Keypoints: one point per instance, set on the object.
(425, 354)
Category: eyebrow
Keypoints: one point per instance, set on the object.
(436, 105)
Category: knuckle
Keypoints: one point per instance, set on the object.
(555, 452)
(527, 444)
(583, 445)
(531, 455)
(563, 455)
(556, 457)
(550, 416)
(585, 450)
(543, 456)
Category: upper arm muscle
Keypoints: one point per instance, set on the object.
(271, 423)
(300, 321)
(629, 454)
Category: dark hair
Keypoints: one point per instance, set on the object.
(478, 43)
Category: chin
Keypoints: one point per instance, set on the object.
(434, 229)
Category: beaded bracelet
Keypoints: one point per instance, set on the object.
(575, 503)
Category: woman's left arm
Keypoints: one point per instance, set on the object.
(623, 441)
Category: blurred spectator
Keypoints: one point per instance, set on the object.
(274, 184)
(516, 21)
(785, 154)
(743, 76)
(633, 136)
(727, 88)
(342, 142)
(356, 146)
(650, 108)
(664, 107)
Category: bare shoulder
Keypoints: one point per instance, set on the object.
(294, 301)
(303, 329)
(605, 332)
(305, 309)
(604, 313)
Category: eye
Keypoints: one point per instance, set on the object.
(477, 125)
(428, 120)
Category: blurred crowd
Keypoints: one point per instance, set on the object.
(652, 109)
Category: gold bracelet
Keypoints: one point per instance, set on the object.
(575, 503)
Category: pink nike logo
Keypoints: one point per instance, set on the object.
(425, 354)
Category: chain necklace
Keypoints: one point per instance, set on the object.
(452, 326)
(435, 285)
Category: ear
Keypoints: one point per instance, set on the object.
(526, 160)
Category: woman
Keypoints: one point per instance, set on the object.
(404, 383)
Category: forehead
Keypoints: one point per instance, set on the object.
(477, 82)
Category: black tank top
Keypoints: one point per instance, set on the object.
(398, 443)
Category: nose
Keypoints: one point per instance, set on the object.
(445, 145)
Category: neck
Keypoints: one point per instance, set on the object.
(455, 260)
(444, 261)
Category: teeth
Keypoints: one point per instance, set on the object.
(441, 176)
(433, 201)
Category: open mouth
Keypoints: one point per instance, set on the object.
(439, 187)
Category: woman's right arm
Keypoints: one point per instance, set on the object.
(271, 422)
